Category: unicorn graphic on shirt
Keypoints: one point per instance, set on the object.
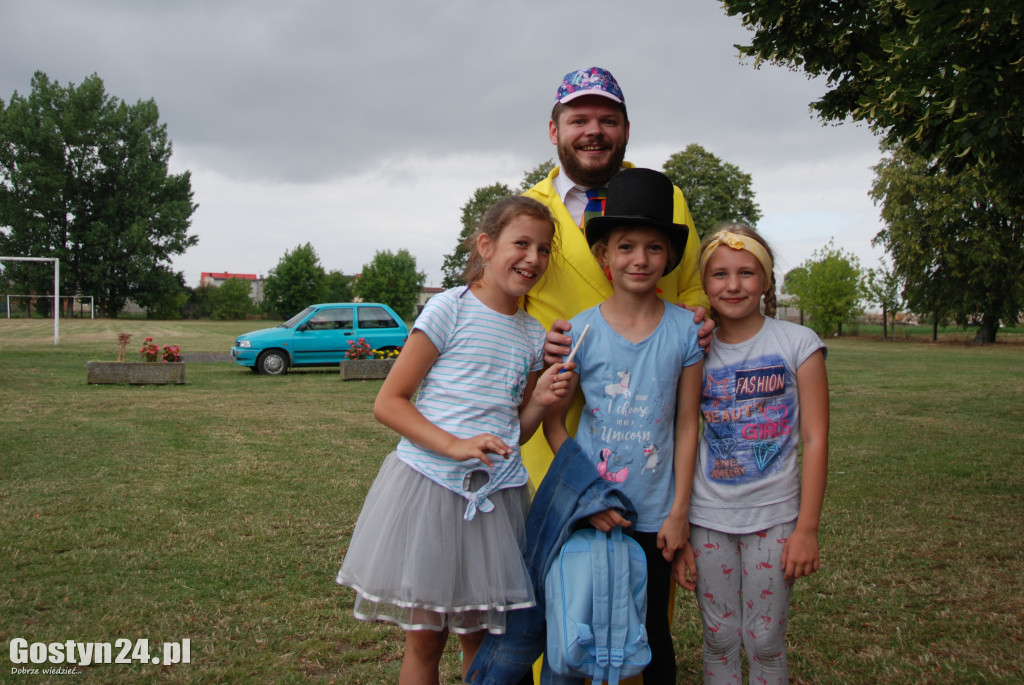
(651, 453)
(660, 411)
(613, 390)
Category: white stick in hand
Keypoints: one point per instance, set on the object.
(575, 347)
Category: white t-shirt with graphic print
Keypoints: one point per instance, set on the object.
(748, 478)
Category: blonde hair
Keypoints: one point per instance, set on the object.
(494, 221)
(746, 231)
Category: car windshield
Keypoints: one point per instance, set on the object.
(294, 321)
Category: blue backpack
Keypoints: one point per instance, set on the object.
(596, 592)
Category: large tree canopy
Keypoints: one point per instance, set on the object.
(339, 287)
(83, 177)
(232, 299)
(296, 282)
(391, 279)
(944, 78)
(958, 248)
(715, 191)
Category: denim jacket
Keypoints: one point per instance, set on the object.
(571, 491)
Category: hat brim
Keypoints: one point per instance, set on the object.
(591, 91)
(600, 226)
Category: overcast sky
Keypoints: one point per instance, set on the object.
(360, 127)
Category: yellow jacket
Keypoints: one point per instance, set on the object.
(575, 281)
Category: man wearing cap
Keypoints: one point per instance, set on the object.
(590, 127)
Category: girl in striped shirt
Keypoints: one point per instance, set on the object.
(436, 546)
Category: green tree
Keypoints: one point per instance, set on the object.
(715, 191)
(199, 305)
(884, 287)
(793, 282)
(944, 78)
(536, 175)
(827, 287)
(958, 246)
(391, 279)
(339, 287)
(232, 300)
(162, 293)
(296, 282)
(454, 265)
(83, 177)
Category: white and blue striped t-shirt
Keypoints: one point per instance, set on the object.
(475, 386)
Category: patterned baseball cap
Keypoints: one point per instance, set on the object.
(592, 81)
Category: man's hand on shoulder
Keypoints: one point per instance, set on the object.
(707, 325)
(557, 345)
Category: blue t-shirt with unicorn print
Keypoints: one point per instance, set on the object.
(628, 422)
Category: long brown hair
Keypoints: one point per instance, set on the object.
(494, 221)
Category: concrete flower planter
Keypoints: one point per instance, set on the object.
(365, 369)
(136, 373)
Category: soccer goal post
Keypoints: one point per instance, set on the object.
(79, 299)
(56, 288)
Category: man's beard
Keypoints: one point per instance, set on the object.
(586, 176)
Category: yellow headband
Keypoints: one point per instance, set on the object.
(739, 242)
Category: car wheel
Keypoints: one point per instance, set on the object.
(272, 363)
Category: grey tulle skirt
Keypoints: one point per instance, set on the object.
(414, 561)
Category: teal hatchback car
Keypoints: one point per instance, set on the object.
(319, 335)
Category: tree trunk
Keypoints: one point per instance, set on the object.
(885, 321)
(935, 328)
(987, 331)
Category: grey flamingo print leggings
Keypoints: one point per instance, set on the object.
(743, 599)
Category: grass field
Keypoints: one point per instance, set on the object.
(219, 512)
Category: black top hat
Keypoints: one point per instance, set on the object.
(640, 197)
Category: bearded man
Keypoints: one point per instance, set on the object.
(590, 128)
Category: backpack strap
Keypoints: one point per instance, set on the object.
(621, 598)
(602, 598)
(610, 558)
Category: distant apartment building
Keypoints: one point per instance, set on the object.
(217, 279)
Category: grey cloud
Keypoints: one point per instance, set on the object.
(307, 90)
(280, 95)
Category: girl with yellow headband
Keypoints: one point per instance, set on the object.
(753, 515)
